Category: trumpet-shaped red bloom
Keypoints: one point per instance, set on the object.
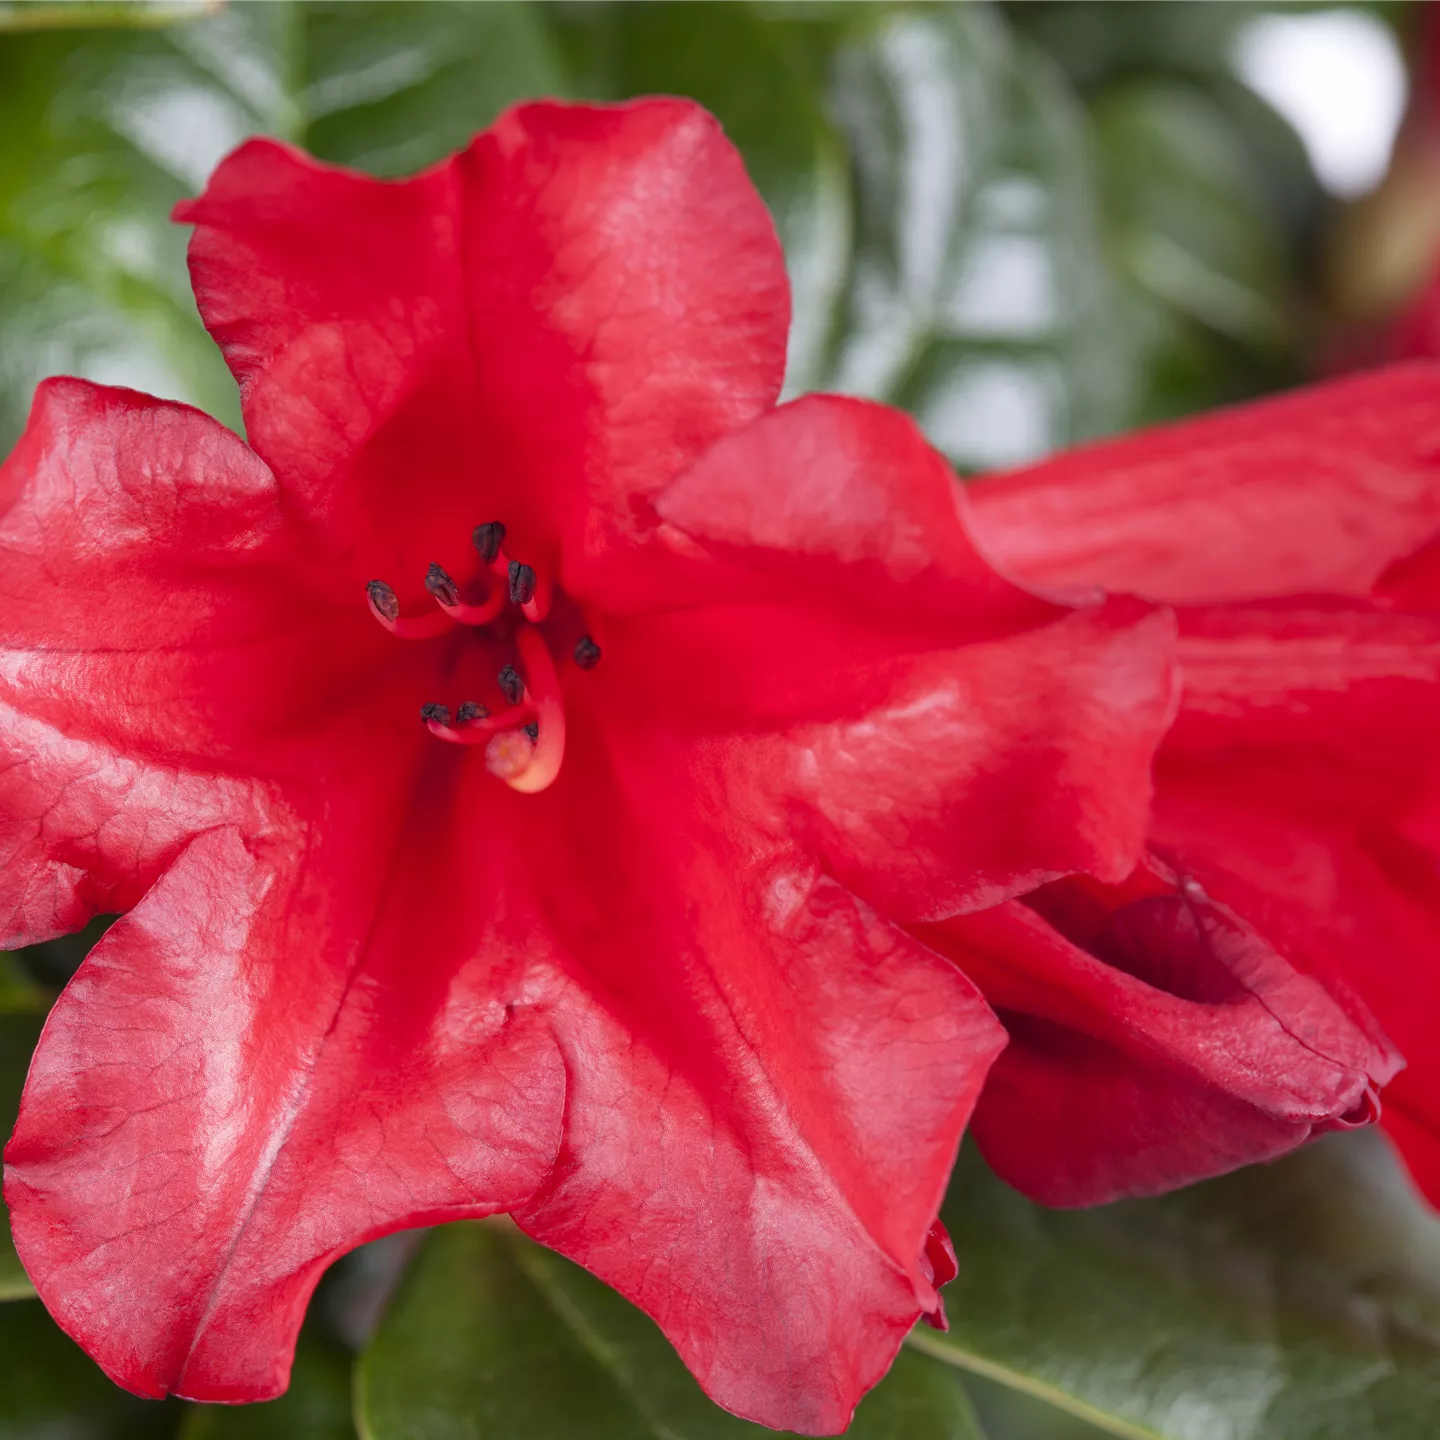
(1217, 1007)
(609, 935)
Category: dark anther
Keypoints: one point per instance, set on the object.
(522, 582)
(512, 687)
(533, 729)
(488, 539)
(382, 597)
(441, 586)
(435, 712)
(587, 653)
(469, 710)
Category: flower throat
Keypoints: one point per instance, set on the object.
(523, 739)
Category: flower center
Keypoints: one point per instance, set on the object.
(511, 604)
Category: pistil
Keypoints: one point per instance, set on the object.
(542, 690)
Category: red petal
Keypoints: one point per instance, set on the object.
(768, 1083)
(1419, 1145)
(1154, 1040)
(557, 319)
(940, 1267)
(938, 738)
(1301, 787)
(159, 649)
(1318, 490)
(241, 1084)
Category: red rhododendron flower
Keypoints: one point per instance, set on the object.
(1217, 1006)
(717, 694)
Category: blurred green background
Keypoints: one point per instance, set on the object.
(1026, 223)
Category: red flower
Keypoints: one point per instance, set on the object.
(623, 956)
(1217, 1007)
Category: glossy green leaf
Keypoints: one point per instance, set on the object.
(493, 1336)
(315, 1407)
(392, 87)
(1292, 1301)
(18, 1034)
(99, 14)
(1204, 238)
(50, 1390)
(978, 295)
(1188, 227)
(106, 131)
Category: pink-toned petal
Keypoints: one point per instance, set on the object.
(1154, 1040)
(249, 1076)
(1300, 787)
(307, 1038)
(1418, 1142)
(983, 771)
(768, 1084)
(1318, 490)
(938, 737)
(162, 657)
(630, 307)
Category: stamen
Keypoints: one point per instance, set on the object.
(441, 586)
(386, 609)
(481, 729)
(512, 687)
(587, 653)
(525, 741)
(488, 539)
(537, 607)
(383, 601)
(481, 614)
(527, 587)
(522, 583)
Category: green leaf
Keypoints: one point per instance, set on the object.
(493, 1336)
(99, 14)
(18, 1034)
(106, 131)
(19, 994)
(315, 1407)
(978, 295)
(392, 87)
(1188, 226)
(1205, 237)
(1293, 1301)
(50, 1390)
